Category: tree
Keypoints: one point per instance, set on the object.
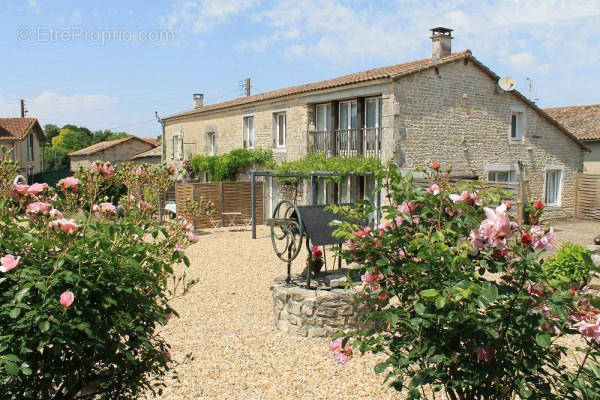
(71, 139)
(51, 131)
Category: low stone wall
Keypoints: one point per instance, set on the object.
(314, 312)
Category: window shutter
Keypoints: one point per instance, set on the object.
(206, 144)
(172, 147)
(181, 147)
(216, 150)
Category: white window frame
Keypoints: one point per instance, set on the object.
(327, 107)
(174, 142)
(247, 143)
(511, 169)
(211, 137)
(180, 147)
(278, 128)
(521, 121)
(348, 105)
(378, 116)
(553, 169)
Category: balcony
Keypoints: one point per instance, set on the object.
(364, 142)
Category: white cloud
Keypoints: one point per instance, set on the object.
(200, 16)
(81, 109)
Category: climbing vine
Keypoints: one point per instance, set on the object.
(225, 166)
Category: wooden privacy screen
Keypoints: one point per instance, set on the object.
(226, 196)
(588, 196)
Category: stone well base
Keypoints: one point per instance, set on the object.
(313, 312)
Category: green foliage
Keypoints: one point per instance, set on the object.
(320, 162)
(72, 139)
(120, 271)
(456, 298)
(571, 264)
(51, 131)
(225, 166)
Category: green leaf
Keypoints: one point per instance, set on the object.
(12, 357)
(392, 318)
(440, 302)
(429, 293)
(490, 293)
(11, 368)
(381, 367)
(21, 293)
(420, 308)
(44, 326)
(544, 340)
(14, 313)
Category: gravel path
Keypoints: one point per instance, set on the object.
(226, 323)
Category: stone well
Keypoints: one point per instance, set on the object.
(319, 311)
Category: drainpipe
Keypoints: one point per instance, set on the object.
(162, 137)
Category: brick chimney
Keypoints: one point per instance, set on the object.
(198, 100)
(441, 42)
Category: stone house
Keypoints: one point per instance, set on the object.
(152, 156)
(584, 122)
(447, 107)
(22, 138)
(116, 151)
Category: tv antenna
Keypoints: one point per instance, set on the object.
(530, 86)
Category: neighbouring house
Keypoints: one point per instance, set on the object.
(22, 138)
(152, 156)
(584, 122)
(116, 151)
(448, 107)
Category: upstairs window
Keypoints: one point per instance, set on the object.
(249, 132)
(30, 152)
(517, 125)
(174, 141)
(502, 176)
(211, 138)
(280, 129)
(322, 117)
(553, 182)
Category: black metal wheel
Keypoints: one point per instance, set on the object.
(287, 231)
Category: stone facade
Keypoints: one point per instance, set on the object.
(314, 313)
(454, 113)
(18, 151)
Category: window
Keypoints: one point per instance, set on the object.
(211, 138)
(502, 176)
(180, 150)
(249, 132)
(347, 115)
(174, 139)
(553, 180)
(517, 125)
(30, 147)
(322, 117)
(280, 129)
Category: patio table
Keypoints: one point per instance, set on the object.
(231, 217)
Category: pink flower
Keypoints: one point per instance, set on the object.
(144, 206)
(54, 213)
(336, 345)
(535, 290)
(37, 188)
(362, 232)
(384, 225)
(316, 252)
(69, 183)
(8, 262)
(591, 330)
(38, 207)
(399, 220)
(343, 357)
(106, 209)
(18, 190)
(407, 207)
(540, 239)
(369, 278)
(351, 245)
(435, 189)
(167, 355)
(169, 316)
(65, 225)
(139, 171)
(66, 299)
(456, 198)
(192, 237)
(493, 231)
(435, 165)
(485, 353)
(474, 199)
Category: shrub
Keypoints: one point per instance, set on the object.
(224, 167)
(82, 294)
(571, 264)
(456, 298)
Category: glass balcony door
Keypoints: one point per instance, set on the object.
(372, 125)
(346, 140)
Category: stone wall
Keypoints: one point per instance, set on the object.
(314, 313)
(595, 281)
(122, 152)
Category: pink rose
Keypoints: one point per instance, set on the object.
(54, 213)
(335, 345)
(591, 330)
(69, 183)
(362, 232)
(456, 198)
(65, 225)
(8, 262)
(169, 316)
(369, 278)
(38, 207)
(37, 188)
(107, 209)
(435, 189)
(540, 239)
(485, 353)
(407, 207)
(66, 299)
(192, 237)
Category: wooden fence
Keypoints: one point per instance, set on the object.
(226, 196)
(587, 203)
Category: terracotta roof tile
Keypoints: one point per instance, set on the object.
(583, 121)
(15, 129)
(107, 144)
(363, 76)
(155, 152)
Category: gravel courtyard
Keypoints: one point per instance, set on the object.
(226, 323)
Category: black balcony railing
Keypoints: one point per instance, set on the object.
(364, 142)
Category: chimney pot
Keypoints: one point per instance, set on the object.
(441, 42)
(198, 100)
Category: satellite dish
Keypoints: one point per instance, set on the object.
(507, 83)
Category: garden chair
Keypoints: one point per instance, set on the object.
(216, 223)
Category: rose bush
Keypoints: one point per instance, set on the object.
(457, 298)
(84, 285)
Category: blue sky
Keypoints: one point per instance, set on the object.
(111, 64)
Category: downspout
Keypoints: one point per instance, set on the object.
(162, 137)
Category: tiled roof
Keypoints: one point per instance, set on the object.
(15, 129)
(155, 152)
(107, 144)
(363, 76)
(583, 121)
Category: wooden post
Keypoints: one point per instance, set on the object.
(577, 182)
(222, 200)
(253, 196)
